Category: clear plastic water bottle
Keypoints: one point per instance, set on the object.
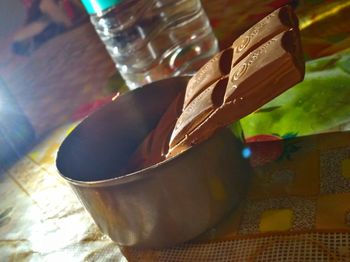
(153, 39)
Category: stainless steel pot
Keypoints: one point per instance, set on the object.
(163, 205)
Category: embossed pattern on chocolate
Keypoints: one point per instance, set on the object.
(262, 75)
(280, 20)
(199, 109)
(219, 65)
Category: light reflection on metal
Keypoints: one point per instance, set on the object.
(115, 97)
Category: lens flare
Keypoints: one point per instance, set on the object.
(246, 152)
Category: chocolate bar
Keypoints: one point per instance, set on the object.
(278, 21)
(265, 73)
(262, 63)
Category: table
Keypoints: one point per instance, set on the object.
(297, 204)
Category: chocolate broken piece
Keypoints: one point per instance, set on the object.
(155, 146)
(262, 75)
(278, 21)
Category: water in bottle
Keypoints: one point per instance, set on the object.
(153, 39)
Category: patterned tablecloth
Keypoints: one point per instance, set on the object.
(297, 207)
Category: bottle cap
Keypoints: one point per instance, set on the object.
(97, 6)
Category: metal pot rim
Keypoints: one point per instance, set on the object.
(129, 177)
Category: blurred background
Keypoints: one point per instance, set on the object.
(10, 21)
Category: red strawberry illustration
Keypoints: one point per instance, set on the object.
(264, 149)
